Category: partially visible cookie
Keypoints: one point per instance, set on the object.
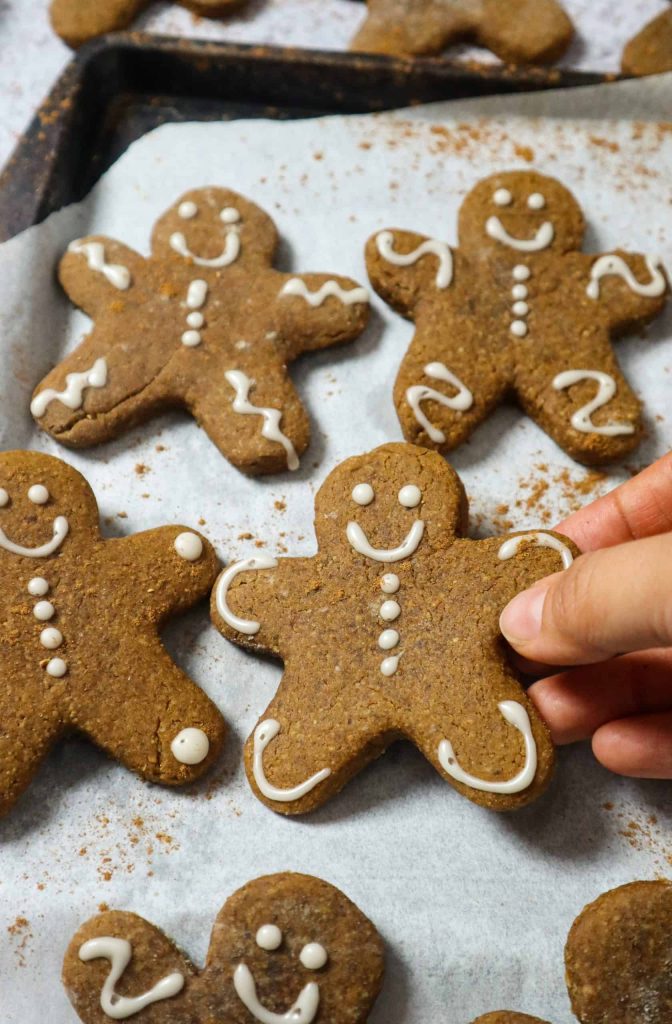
(650, 52)
(286, 947)
(77, 21)
(518, 31)
(508, 1017)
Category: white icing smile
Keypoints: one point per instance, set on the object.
(359, 541)
(303, 1011)
(229, 253)
(60, 529)
(543, 238)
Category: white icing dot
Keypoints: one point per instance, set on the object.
(313, 956)
(519, 328)
(410, 496)
(269, 937)
(520, 308)
(43, 611)
(536, 201)
(38, 586)
(390, 610)
(389, 666)
(388, 639)
(521, 272)
(390, 583)
(363, 494)
(191, 339)
(230, 215)
(519, 291)
(502, 197)
(4, 497)
(190, 746)
(51, 638)
(187, 210)
(195, 319)
(189, 546)
(38, 494)
(57, 668)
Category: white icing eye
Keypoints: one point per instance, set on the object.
(269, 937)
(536, 201)
(229, 215)
(188, 546)
(313, 956)
(38, 494)
(4, 497)
(187, 210)
(410, 496)
(363, 494)
(502, 197)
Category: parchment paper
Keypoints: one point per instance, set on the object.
(475, 907)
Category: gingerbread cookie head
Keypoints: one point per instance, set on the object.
(519, 213)
(284, 947)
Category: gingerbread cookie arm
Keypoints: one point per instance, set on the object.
(412, 27)
(96, 272)
(315, 311)
(118, 952)
(524, 31)
(404, 266)
(629, 288)
(253, 600)
(77, 21)
(650, 51)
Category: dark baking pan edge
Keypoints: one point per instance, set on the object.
(119, 87)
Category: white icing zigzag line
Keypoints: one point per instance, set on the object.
(419, 393)
(118, 275)
(543, 238)
(61, 529)
(247, 626)
(516, 715)
(581, 419)
(295, 286)
(543, 540)
(615, 266)
(263, 734)
(118, 952)
(75, 386)
(229, 254)
(444, 277)
(241, 384)
(304, 1009)
(360, 542)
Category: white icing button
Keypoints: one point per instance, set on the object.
(520, 308)
(230, 215)
(389, 666)
(313, 956)
(190, 746)
(191, 339)
(189, 546)
(390, 583)
(269, 937)
(502, 197)
(519, 328)
(4, 497)
(410, 496)
(388, 639)
(536, 201)
(57, 668)
(519, 291)
(51, 638)
(389, 611)
(195, 319)
(43, 611)
(38, 586)
(187, 210)
(521, 272)
(363, 494)
(38, 494)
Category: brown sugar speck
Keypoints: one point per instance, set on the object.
(524, 152)
(280, 506)
(141, 468)
(103, 907)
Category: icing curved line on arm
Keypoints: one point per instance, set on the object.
(242, 385)
(119, 952)
(349, 297)
(581, 420)
(75, 385)
(543, 540)
(302, 1012)
(516, 715)
(117, 274)
(265, 732)
(360, 542)
(61, 528)
(542, 239)
(444, 276)
(419, 393)
(247, 626)
(615, 266)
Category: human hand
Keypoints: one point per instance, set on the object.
(610, 614)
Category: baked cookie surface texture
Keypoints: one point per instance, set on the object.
(77, 21)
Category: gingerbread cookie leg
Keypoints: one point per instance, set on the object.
(25, 739)
(413, 26)
(650, 52)
(76, 21)
(525, 31)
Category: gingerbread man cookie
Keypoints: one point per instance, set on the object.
(650, 52)
(518, 31)
(391, 631)
(617, 959)
(77, 21)
(80, 644)
(204, 323)
(517, 310)
(284, 948)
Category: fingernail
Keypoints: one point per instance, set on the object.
(520, 621)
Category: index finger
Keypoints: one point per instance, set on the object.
(641, 507)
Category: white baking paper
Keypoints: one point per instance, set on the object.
(474, 907)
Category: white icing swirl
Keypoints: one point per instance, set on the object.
(543, 540)
(119, 952)
(75, 386)
(444, 277)
(242, 384)
(615, 266)
(117, 274)
(581, 420)
(246, 626)
(419, 393)
(295, 286)
(265, 732)
(516, 715)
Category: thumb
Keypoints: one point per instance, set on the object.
(608, 602)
